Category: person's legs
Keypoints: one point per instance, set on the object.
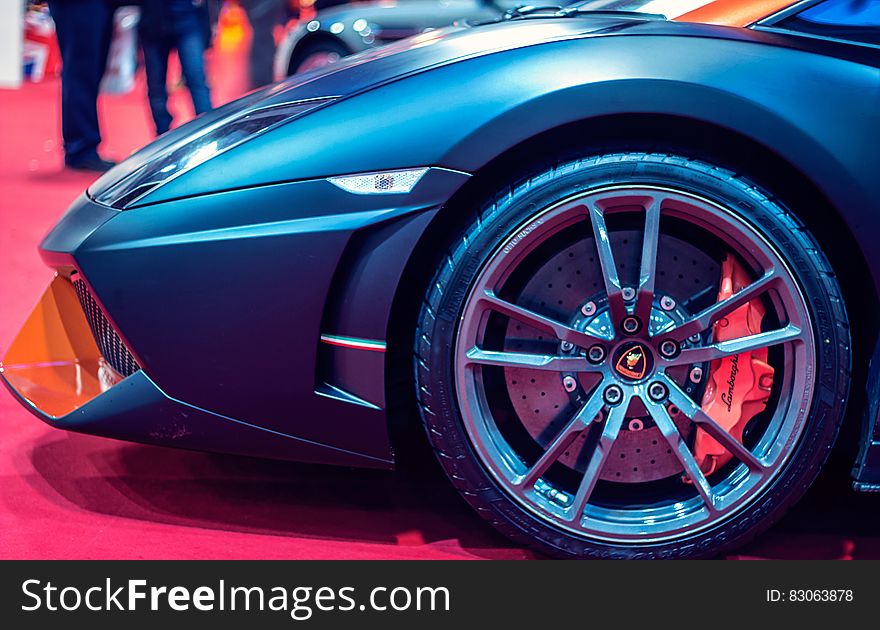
(156, 53)
(263, 15)
(84, 29)
(191, 50)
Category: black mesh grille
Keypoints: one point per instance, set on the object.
(109, 343)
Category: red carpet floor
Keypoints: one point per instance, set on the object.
(71, 496)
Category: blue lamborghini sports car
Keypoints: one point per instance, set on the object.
(612, 263)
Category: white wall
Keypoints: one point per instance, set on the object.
(11, 34)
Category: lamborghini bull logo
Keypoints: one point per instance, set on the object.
(632, 363)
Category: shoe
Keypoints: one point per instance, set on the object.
(90, 164)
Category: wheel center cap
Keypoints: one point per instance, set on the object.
(633, 361)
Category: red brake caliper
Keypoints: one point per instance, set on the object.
(739, 386)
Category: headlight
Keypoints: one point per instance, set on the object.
(209, 142)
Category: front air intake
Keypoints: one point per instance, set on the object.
(109, 343)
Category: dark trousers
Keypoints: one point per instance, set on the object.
(84, 29)
(190, 46)
(263, 15)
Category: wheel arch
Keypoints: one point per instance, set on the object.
(652, 133)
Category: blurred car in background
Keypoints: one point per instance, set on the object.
(349, 28)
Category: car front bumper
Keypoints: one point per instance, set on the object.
(209, 323)
(55, 369)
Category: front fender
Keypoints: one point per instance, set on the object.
(463, 114)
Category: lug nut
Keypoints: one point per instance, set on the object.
(667, 303)
(668, 348)
(596, 354)
(628, 293)
(569, 384)
(631, 325)
(657, 391)
(696, 375)
(589, 309)
(566, 346)
(613, 394)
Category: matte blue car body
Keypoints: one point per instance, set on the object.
(222, 280)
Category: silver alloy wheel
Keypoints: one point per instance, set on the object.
(607, 395)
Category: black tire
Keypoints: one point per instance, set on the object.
(510, 209)
(328, 45)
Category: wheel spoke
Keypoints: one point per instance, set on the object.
(547, 362)
(556, 448)
(693, 411)
(648, 271)
(708, 316)
(672, 435)
(613, 424)
(732, 347)
(616, 303)
(536, 320)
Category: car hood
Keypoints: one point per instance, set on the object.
(381, 65)
(439, 47)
